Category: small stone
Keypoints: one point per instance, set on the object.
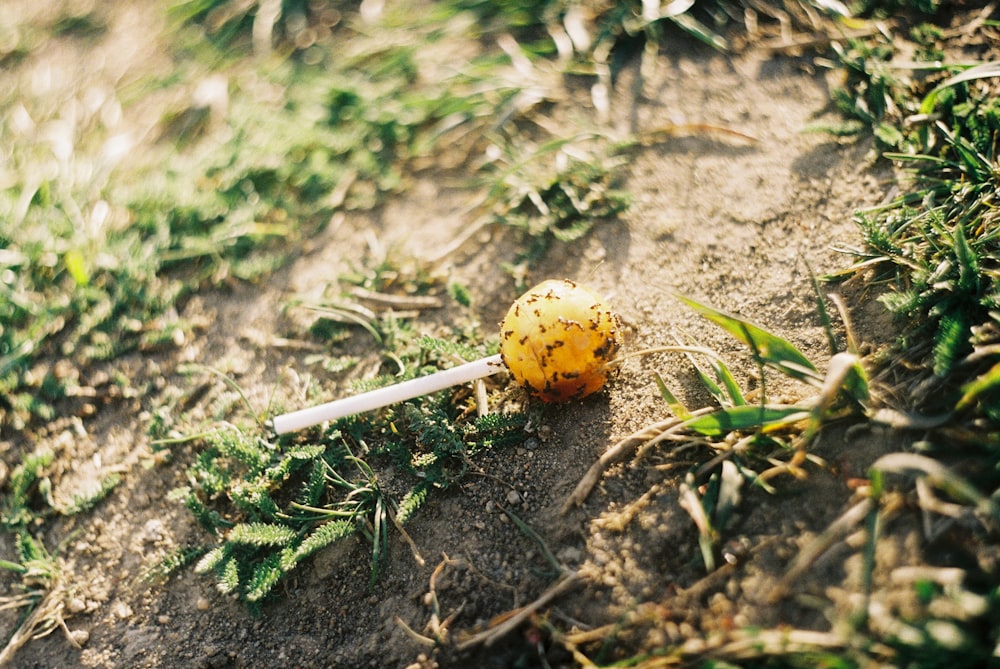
(122, 610)
(76, 605)
(513, 497)
(80, 637)
(153, 531)
(570, 555)
(203, 604)
(163, 619)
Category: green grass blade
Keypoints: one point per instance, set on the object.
(725, 377)
(13, 566)
(710, 385)
(675, 405)
(824, 313)
(978, 386)
(699, 30)
(770, 348)
(978, 72)
(747, 417)
(969, 269)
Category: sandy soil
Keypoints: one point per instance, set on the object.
(734, 223)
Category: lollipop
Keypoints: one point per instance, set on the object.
(557, 341)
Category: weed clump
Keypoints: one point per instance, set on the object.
(270, 504)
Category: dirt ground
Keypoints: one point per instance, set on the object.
(737, 224)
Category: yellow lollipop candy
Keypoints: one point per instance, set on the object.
(557, 340)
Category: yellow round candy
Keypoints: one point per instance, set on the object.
(557, 340)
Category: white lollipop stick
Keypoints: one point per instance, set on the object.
(381, 397)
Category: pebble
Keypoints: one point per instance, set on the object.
(122, 610)
(513, 497)
(571, 555)
(80, 637)
(163, 619)
(153, 531)
(203, 604)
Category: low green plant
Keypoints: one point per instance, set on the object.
(42, 587)
(614, 23)
(92, 270)
(40, 593)
(291, 26)
(89, 271)
(751, 440)
(557, 194)
(761, 430)
(271, 503)
(938, 241)
(29, 494)
(756, 440)
(23, 483)
(35, 565)
(875, 95)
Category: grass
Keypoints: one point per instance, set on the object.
(270, 504)
(933, 250)
(94, 270)
(99, 251)
(753, 443)
(935, 244)
(42, 588)
(749, 432)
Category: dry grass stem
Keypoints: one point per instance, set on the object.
(511, 622)
(808, 555)
(390, 301)
(438, 629)
(45, 617)
(621, 450)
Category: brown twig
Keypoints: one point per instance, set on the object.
(510, 622)
(648, 435)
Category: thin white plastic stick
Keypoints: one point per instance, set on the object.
(381, 397)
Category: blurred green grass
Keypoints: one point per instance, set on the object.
(307, 108)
